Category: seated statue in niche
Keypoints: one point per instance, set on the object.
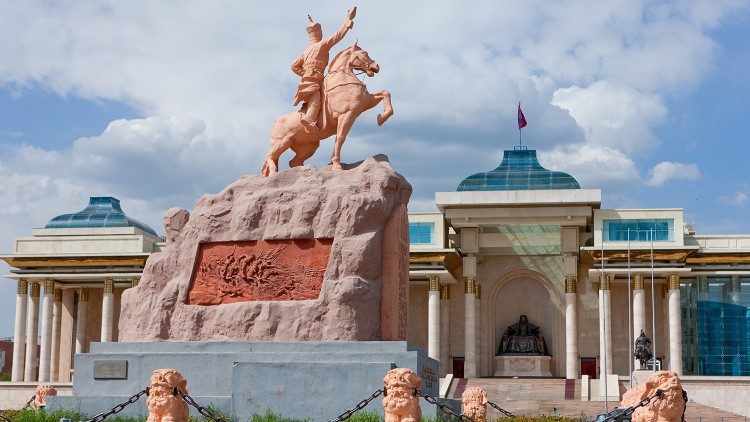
(523, 338)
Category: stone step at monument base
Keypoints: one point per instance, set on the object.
(316, 380)
(532, 397)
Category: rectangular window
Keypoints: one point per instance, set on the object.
(421, 233)
(640, 230)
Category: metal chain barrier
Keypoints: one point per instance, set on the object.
(3, 417)
(501, 410)
(117, 409)
(28, 403)
(618, 413)
(361, 405)
(202, 410)
(444, 408)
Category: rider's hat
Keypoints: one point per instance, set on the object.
(312, 26)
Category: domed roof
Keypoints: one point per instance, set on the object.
(519, 170)
(102, 211)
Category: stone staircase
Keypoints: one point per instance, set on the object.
(532, 397)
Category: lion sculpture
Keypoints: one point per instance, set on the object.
(163, 404)
(474, 404)
(670, 407)
(41, 394)
(400, 402)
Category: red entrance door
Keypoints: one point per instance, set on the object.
(458, 367)
(588, 367)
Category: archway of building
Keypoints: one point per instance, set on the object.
(523, 292)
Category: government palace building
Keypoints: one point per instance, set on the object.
(517, 258)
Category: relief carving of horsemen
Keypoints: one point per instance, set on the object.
(330, 102)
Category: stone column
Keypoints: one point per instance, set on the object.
(675, 324)
(735, 290)
(66, 335)
(478, 325)
(81, 317)
(108, 314)
(605, 325)
(45, 352)
(433, 318)
(470, 357)
(54, 364)
(444, 330)
(32, 334)
(134, 282)
(665, 325)
(19, 332)
(639, 306)
(571, 329)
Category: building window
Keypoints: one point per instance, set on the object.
(421, 233)
(641, 230)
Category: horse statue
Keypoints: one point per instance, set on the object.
(345, 97)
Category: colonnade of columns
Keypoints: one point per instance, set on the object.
(54, 360)
(671, 318)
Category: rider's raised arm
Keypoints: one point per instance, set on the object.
(339, 35)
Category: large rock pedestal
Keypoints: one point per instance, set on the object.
(301, 255)
(523, 366)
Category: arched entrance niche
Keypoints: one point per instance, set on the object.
(530, 293)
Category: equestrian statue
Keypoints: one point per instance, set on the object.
(330, 102)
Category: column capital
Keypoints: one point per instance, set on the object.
(734, 284)
(673, 281)
(445, 292)
(57, 295)
(34, 289)
(83, 295)
(702, 284)
(23, 287)
(434, 283)
(604, 281)
(134, 282)
(469, 286)
(638, 283)
(478, 290)
(109, 285)
(49, 286)
(570, 285)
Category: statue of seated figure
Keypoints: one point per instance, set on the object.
(524, 338)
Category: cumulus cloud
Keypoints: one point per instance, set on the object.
(737, 198)
(594, 166)
(667, 171)
(616, 116)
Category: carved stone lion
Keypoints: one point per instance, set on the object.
(400, 403)
(163, 405)
(42, 392)
(668, 408)
(474, 404)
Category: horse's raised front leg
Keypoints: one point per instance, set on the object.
(344, 125)
(387, 106)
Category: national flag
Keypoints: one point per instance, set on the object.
(521, 118)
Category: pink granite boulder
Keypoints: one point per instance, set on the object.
(668, 408)
(358, 215)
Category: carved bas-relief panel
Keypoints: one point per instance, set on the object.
(229, 272)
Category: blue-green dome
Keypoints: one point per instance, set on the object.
(102, 211)
(519, 170)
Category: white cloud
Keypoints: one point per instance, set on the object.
(615, 116)
(668, 171)
(594, 166)
(737, 198)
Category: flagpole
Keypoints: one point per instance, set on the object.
(520, 144)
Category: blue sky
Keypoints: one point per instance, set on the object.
(647, 100)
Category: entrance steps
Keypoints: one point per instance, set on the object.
(538, 396)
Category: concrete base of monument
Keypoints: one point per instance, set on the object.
(316, 380)
(523, 366)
